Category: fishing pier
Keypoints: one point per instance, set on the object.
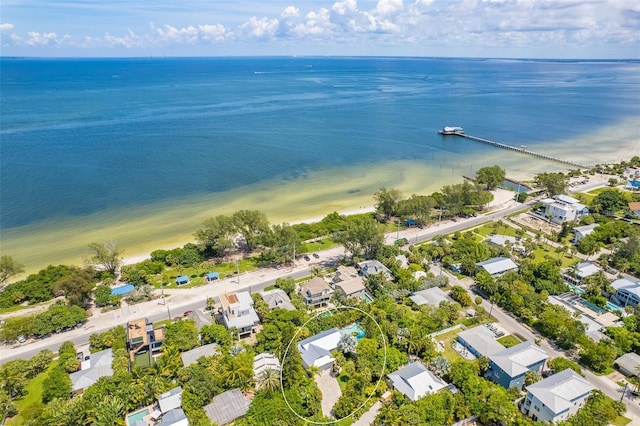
(458, 131)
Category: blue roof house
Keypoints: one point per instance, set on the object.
(211, 276)
(508, 367)
(182, 279)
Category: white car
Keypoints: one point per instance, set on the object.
(21, 339)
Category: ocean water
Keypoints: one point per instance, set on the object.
(143, 150)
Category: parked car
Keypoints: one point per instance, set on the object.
(307, 258)
(21, 339)
(187, 313)
(316, 255)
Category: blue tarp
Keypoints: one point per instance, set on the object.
(182, 279)
(123, 289)
(634, 183)
(212, 276)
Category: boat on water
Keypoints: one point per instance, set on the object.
(451, 130)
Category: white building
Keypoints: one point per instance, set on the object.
(498, 266)
(263, 362)
(563, 208)
(557, 397)
(415, 381)
(237, 311)
(316, 350)
(580, 232)
(627, 292)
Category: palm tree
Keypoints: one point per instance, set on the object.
(314, 370)
(269, 380)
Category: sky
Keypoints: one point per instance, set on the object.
(566, 29)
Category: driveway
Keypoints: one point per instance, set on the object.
(330, 391)
(367, 418)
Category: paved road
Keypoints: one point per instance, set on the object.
(181, 300)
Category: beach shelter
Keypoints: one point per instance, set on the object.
(182, 279)
(210, 276)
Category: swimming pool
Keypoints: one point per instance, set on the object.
(613, 307)
(367, 298)
(575, 289)
(355, 330)
(131, 419)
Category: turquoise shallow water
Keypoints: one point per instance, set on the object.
(143, 150)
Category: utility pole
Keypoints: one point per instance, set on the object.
(238, 270)
(165, 300)
(398, 233)
(624, 391)
(294, 255)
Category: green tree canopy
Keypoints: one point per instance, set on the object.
(552, 183)
(387, 201)
(9, 268)
(363, 237)
(491, 176)
(107, 256)
(252, 225)
(216, 235)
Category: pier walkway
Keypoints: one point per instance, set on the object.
(521, 150)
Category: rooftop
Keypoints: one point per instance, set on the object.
(628, 285)
(498, 265)
(415, 381)
(482, 340)
(430, 296)
(100, 366)
(315, 286)
(227, 407)
(192, 356)
(517, 359)
(560, 391)
(277, 298)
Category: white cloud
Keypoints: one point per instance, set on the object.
(259, 28)
(6, 27)
(216, 32)
(45, 39)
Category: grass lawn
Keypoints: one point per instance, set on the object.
(14, 308)
(33, 396)
(323, 244)
(196, 276)
(620, 421)
(508, 341)
(447, 339)
(342, 380)
(540, 253)
(505, 229)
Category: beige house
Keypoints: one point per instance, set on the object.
(316, 292)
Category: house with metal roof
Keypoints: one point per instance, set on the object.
(277, 299)
(227, 407)
(627, 292)
(415, 381)
(579, 232)
(175, 417)
(557, 397)
(509, 366)
(480, 341)
(316, 350)
(498, 266)
(563, 208)
(192, 356)
(169, 400)
(182, 280)
(237, 311)
(211, 276)
(99, 365)
(263, 362)
(430, 296)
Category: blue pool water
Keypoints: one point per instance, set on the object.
(575, 289)
(355, 329)
(593, 307)
(613, 307)
(137, 416)
(367, 298)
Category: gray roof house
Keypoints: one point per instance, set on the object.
(580, 232)
(508, 367)
(170, 400)
(374, 267)
(415, 381)
(480, 341)
(431, 296)
(277, 298)
(557, 397)
(316, 350)
(99, 366)
(192, 356)
(498, 266)
(628, 364)
(175, 417)
(262, 362)
(227, 407)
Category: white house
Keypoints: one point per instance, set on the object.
(431, 296)
(498, 266)
(627, 292)
(316, 350)
(415, 381)
(237, 311)
(263, 362)
(579, 232)
(563, 208)
(374, 267)
(557, 397)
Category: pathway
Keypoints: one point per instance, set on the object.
(368, 418)
(330, 389)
